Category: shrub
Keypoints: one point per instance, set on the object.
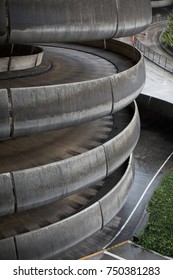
(158, 234)
(167, 35)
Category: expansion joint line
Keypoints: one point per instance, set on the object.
(117, 13)
(14, 191)
(16, 250)
(112, 109)
(11, 117)
(106, 161)
(101, 214)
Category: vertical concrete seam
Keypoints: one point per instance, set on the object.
(16, 248)
(101, 212)
(14, 191)
(117, 18)
(11, 116)
(112, 93)
(106, 161)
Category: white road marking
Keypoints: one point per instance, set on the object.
(139, 201)
(113, 255)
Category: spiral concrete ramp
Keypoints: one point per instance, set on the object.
(68, 122)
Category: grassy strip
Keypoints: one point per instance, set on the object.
(158, 234)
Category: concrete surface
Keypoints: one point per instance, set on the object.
(126, 251)
(77, 20)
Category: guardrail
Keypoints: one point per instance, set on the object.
(155, 57)
(159, 18)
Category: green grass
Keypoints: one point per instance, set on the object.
(158, 234)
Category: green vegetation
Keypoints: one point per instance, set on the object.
(167, 35)
(158, 234)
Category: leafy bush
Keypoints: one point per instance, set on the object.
(167, 35)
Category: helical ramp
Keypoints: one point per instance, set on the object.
(68, 120)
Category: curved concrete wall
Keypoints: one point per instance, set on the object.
(161, 3)
(112, 202)
(59, 106)
(46, 242)
(4, 114)
(126, 85)
(118, 149)
(7, 200)
(26, 59)
(133, 16)
(8, 249)
(38, 186)
(75, 20)
(36, 109)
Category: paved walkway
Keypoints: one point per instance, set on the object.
(126, 251)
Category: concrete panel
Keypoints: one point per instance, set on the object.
(112, 202)
(50, 21)
(39, 59)
(127, 85)
(76, 20)
(37, 186)
(118, 149)
(7, 201)
(4, 114)
(7, 249)
(53, 107)
(4, 61)
(22, 62)
(161, 3)
(47, 242)
(133, 16)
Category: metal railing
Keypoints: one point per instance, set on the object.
(155, 57)
(159, 18)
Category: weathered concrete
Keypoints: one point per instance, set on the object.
(47, 242)
(19, 57)
(52, 21)
(40, 185)
(37, 186)
(59, 106)
(132, 16)
(161, 3)
(4, 114)
(47, 21)
(36, 109)
(7, 249)
(7, 200)
(118, 149)
(113, 201)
